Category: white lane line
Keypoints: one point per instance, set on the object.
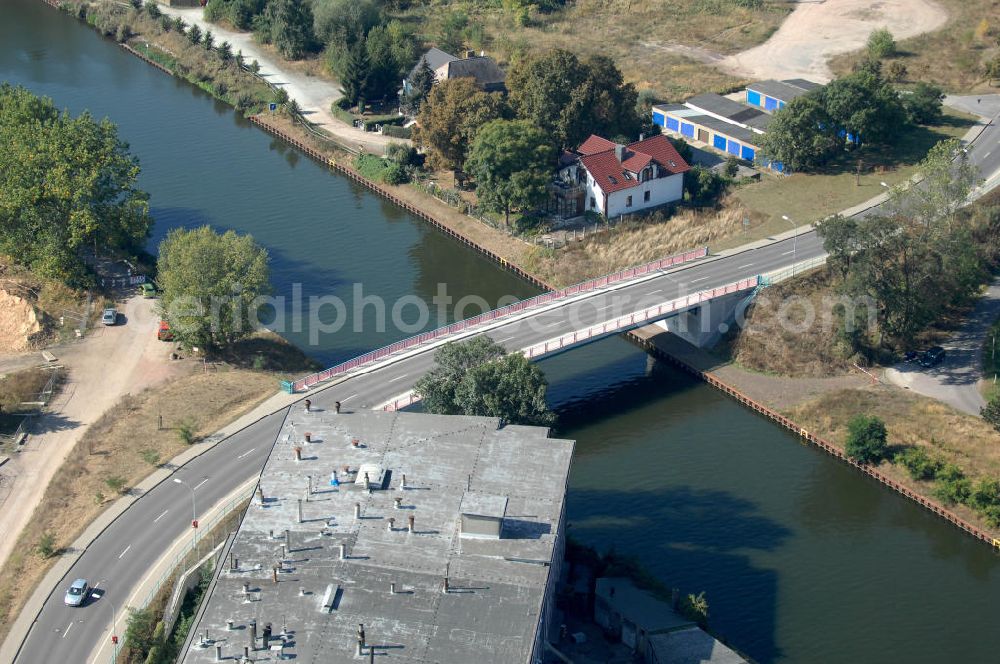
(500, 341)
(246, 453)
(694, 281)
(195, 487)
(348, 398)
(656, 291)
(743, 266)
(120, 555)
(987, 154)
(553, 323)
(606, 307)
(790, 251)
(66, 631)
(161, 516)
(393, 380)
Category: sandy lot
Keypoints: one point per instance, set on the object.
(815, 31)
(109, 362)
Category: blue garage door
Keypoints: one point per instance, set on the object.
(753, 97)
(672, 124)
(770, 103)
(781, 105)
(657, 118)
(747, 153)
(719, 142)
(733, 148)
(687, 129)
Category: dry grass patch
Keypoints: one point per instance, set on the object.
(911, 420)
(634, 243)
(117, 452)
(953, 56)
(791, 329)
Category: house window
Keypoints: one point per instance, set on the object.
(593, 203)
(628, 202)
(645, 197)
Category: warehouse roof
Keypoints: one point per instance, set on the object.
(491, 610)
(639, 607)
(692, 646)
(726, 128)
(727, 108)
(782, 90)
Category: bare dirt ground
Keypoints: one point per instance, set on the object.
(816, 31)
(313, 94)
(108, 363)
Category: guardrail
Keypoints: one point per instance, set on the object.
(787, 273)
(489, 316)
(619, 324)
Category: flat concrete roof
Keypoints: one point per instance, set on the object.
(784, 90)
(727, 108)
(692, 646)
(639, 607)
(496, 586)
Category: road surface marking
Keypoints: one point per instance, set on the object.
(66, 631)
(790, 251)
(246, 453)
(160, 517)
(606, 307)
(393, 380)
(500, 341)
(348, 398)
(124, 552)
(556, 322)
(658, 291)
(694, 281)
(743, 266)
(195, 487)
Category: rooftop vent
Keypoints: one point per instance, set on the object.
(482, 514)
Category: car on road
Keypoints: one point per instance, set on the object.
(165, 333)
(77, 593)
(148, 290)
(109, 317)
(932, 357)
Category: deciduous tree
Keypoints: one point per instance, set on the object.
(866, 439)
(450, 118)
(288, 24)
(801, 135)
(881, 44)
(210, 285)
(511, 161)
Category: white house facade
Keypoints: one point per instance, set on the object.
(618, 179)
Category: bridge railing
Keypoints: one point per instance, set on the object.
(619, 324)
(489, 316)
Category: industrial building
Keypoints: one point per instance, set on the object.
(728, 126)
(389, 536)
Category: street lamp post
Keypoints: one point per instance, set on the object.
(194, 510)
(114, 637)
(795, 240)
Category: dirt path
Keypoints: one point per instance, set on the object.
(314, 95)
(108, 363)
(815, 31)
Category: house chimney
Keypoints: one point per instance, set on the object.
(266, 635)
(342, 549)
(299, 512)
(367, 482)
(397, 503)
(402, 482)
(642, 137)
(309, 486)
(392, 588)
(253, 634)
(391, 524)
(308, 437)
(298, 453)
(409, 525)
(357, 510)
(619, 152)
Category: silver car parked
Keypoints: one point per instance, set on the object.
(77, 593)
(109, 317)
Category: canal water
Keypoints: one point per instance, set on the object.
(802, 560)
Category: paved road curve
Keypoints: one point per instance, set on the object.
(131, 544)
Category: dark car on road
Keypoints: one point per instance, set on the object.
(932, 357)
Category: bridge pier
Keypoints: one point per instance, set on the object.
(702, 326)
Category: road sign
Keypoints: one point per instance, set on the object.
(272, 107)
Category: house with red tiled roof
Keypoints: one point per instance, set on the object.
(614, 179)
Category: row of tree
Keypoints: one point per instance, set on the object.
(862, 107)
(67, 188)
(920, 257)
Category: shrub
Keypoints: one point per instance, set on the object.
(991, 412)
(918, 463)
(187, 431)
(395, 173)
(152, 457)
(881, 44)
(952, 485)
(116, 483)
(392, 131)
(866, 439)
(46, 547)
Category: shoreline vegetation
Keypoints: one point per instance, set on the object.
(511, 252)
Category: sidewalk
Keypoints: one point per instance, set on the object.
(314, 95)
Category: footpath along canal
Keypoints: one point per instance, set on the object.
(802, 558)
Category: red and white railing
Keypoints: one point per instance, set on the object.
(616, 325)
(490, 316)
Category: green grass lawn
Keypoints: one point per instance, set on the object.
(808, 197)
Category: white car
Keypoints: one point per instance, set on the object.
(109, 317)
(77, 593)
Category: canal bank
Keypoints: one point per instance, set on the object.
(802, 559)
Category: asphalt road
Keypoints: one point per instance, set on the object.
(124, 553)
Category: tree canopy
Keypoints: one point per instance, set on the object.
(571, 99)
(67, 188)
(478, 377)
(800, 135)
(450, 118)
(923, 104)
(210, 285)
(866, 439)
(288, 24)
(511, 161)
(916, 259)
